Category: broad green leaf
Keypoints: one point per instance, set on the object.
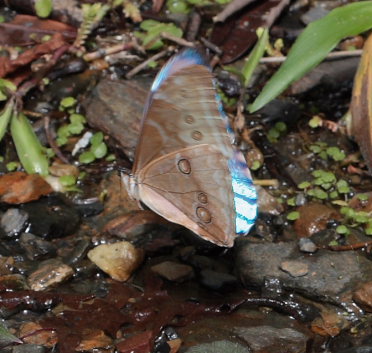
(314, 43)
(30, 151)
(5, 118)
(43, 8)
(255, 56)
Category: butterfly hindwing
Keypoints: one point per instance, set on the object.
(192, 187)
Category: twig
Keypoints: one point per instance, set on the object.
(52, 142)
(230, 9)
(177, 40)
(266, 182)
(334, 55)
(355, 246)
(145, 63)
(193, 26)
(211, 46)
(108, 51)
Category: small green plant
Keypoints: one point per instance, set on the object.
(292, 216)
(75, 127)
(277, 131)
(43, 8)
(97, 149)
(151, 33)
(324, 151)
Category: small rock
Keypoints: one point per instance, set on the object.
(6, 265)
(59, 169)
(118, 260)
(363, 296)
(77, 253)
(219, 347)
(49, 273)
(93, 338)
(19, 187)
(51, 217)
(268, 203)
(329, 324)
(35, 247)
(14, 221)
(28, 348)
(15, 282)
(173, 271)
(174, 345)
(272, 339)
(88, 207)
(141, 342)
(313, 218)
(33, 333)
(306, 245)
(314, 13)
(256, 261)
(217, 280)
(295, 268)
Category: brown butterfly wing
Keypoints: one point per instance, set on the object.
(192, 187)
(182, 112)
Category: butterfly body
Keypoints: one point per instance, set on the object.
(186, 168)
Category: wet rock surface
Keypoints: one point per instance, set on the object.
(323, 279)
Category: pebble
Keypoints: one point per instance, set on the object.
(36, 247)
(118, 260)
(363, 296)
(34, 334)
(295, 268)
(51, 217)
(313, 218)
(14, 221)
(28, 348)
(306, 245)
(173, 271)
(48, 274)
(222, 346)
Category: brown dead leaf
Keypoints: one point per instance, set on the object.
(34, 333)
(361, 104)
(19, 187)
(27, 30)
(8, 66)
(139, 343)
(93, 338)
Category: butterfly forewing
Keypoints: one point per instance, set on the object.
(191, 187)
(182, 112)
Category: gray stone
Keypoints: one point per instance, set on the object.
(306, 245)
(274, 340)
(223, 346)
(217, 280)
(14, 221)
(28, 348)
(330, 275)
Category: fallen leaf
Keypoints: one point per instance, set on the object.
(19, 187)
(25, 30)
(8, 66)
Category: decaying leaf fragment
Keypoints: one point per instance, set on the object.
(361, 104)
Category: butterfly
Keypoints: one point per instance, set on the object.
(186, 168)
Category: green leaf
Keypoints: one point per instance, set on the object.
(342, 187)
(315, 121)
(76, 128)
(341, 229)
(12, 166)
(43, 8)
(29, 149)
(67, 180)
(304, 185)
(87, 157)
(5, 116)
(77, 118)
(362, 197)
(313, 44)
(100, 150)
(292, 216)
(96, 139)
(255, 55)
(67, 102)
(6, 336)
